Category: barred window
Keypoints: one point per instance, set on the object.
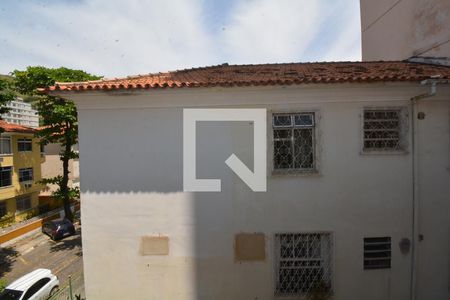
(5, 176)
(377, 253)
(5, 145)
(25, 174)
(293, 147)
(24, 145)
(303, 264)
(382, 130)
(23, 203)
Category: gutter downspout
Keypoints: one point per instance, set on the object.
(415, 184)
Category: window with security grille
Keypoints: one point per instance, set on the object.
(5, 145)
(24, 145)
(382, 130)
(377, 253)
(293, 141)
(303, 264)
(23, 203)
(5, 176)
(25, 174)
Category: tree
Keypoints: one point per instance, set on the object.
(58, 120)
(6, 95)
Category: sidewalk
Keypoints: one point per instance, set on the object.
(23, 228)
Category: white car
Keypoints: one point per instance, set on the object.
(37, 285)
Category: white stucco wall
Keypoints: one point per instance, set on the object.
(131, 182)
(398, 30)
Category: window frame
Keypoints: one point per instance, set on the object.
(375, 241)
(403, 131)
(6, 137)
(25, 141)
(277, 259)
(316, 144)
(23, 170)
(23, 198)
(10, 176)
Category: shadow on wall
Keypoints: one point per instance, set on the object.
(136, 188)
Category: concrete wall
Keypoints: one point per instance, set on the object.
(397, 30)
(434, 195)
(131, 181)
(52, 167)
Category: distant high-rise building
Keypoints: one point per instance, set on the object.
(21, 113)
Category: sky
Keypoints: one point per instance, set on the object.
(119, 38)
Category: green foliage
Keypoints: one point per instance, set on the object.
(40, 77)
(6, 95)
(59, 118)
(3, 284)
(59, 122)
(74, 193)
(7, 219)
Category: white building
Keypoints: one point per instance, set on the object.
(358, 184)
(21, 113)
(397, 30)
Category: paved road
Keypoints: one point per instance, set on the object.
(37, 250)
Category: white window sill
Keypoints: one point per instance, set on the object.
(383, 152)
(295, 173)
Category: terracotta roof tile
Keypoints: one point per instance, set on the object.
(8, 127)
(267, 74)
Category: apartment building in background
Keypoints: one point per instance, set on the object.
(357, 201)
(53, 167)
(21, 113)
(20, 170)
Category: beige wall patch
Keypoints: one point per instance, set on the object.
(249, 247)
(154, 245)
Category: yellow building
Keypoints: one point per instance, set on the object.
(20, 170)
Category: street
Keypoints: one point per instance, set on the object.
(37, 250)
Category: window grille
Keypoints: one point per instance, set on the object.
(5, 145)
(303, 264)
(382, 130)
(24, 145)
(5, 176)
(25, 174)
(293, 147)
(23, 203)
(377, 253)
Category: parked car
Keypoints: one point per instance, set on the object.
(58, 229)
(37, 285)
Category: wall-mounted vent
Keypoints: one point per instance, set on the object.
(377, 253)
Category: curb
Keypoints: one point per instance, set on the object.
(16, 233)
(23, 230)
